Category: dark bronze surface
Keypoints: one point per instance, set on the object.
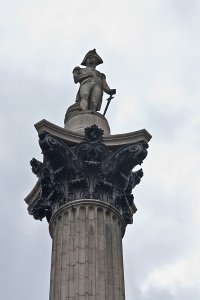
(88, 170)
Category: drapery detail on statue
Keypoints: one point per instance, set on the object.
(96, 79)
(89, 170)
(90, 83)
(72, 110)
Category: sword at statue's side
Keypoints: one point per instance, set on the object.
(106, 108)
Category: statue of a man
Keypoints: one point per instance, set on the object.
(92, 83)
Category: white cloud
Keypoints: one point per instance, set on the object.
(184, 272)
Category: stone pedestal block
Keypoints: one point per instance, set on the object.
(87, 261)
(84, 119)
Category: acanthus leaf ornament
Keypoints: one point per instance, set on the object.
(89, 170)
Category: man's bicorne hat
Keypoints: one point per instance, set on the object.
(92, 53)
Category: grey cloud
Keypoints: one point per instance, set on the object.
(157, 294)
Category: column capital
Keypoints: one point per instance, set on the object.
(88, 170)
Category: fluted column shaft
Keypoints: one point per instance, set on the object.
(87, 260)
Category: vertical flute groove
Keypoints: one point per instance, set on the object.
(87, 261)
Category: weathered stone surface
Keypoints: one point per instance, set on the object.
(78, 122)
(87, 260)
(92, 85)
(73, 138)
(89, 170)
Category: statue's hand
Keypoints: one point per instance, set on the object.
(112, 92)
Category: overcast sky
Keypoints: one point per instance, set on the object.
(151, 53)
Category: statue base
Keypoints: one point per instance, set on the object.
(84, 119)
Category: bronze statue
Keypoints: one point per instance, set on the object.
(92, 84)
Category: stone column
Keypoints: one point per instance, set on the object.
(85, 193)
(87, 261)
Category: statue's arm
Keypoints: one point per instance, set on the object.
(79, 75)
(106, 87)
